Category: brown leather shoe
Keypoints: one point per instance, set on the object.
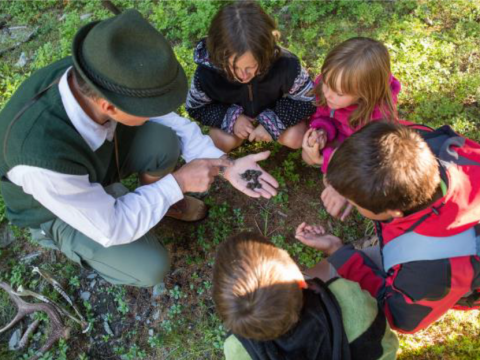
(188, 209)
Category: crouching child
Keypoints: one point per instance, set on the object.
(274, 313)
(421, 187)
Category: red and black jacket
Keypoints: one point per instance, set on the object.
(415, 294)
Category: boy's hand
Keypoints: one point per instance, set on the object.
(311, 147)
(243, 127)
(315, 237)
(334, 203)
(260, 134)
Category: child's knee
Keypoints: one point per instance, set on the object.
(293, 137)
(224, 141)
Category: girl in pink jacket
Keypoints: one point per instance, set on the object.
(355, 87)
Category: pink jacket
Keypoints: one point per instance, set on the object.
(335, 122)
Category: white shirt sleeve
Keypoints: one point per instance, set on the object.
(88, 208)
(194, 144)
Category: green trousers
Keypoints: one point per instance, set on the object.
(153, 150)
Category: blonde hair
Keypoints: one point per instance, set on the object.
(256, 287)
(363, 67)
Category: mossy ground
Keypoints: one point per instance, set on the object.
(434, 46)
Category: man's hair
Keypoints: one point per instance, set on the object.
(363, 67)
(239, 28)
(385, 166)
(83, 86)
(255, 287)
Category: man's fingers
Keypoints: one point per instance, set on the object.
(213, 171)
(252, 136)
(219, 162)
(269, 188)
(260, 156)
(264, 193)
(269, 179)
(250, 192)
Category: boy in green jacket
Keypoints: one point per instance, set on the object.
(273, 312)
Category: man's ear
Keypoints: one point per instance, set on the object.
(106, 107)
(395, 213)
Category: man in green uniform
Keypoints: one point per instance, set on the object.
(76, 127)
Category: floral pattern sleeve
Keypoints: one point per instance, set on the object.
(204, 110)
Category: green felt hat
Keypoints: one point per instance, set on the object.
(130, 64)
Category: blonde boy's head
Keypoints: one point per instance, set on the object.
(256, 287)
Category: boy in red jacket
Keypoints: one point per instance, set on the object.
(422, 190)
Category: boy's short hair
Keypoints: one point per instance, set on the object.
(385, 166)
(255, 287)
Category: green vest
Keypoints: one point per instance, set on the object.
(45, 137)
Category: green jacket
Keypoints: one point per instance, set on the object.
(359, 310)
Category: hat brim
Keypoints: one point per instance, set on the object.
(137, 106)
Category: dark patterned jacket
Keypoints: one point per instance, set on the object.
(278, 99)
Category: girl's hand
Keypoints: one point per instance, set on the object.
(311, 148)
(315, 237)
(334, 203)
(321, 138)
(260, 134)
(243, 127)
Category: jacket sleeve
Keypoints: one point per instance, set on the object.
(208, 112)
(412, 295)
(290, 109)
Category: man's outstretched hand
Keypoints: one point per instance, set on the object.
(315, 237)
(240, 166)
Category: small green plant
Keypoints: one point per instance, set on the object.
(155, 341)
(89, 314)
(176, 293)
(167, 326)
(175, 309)
(18, 275)
(119, 297)
(75, 282)
(134, 353)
